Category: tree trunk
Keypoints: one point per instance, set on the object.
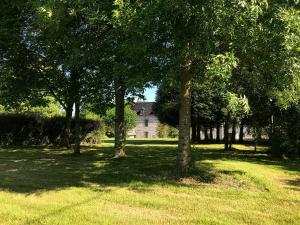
(206, 138)
(77, 128)
(120, 133)
(194, 130)
(226, 133)
(241, 136)
(233, 133)
(218, 138)
(198, 138)
(67, 129)
(211, 136)
(184, 157)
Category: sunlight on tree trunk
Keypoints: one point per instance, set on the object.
(184, 157)
(120, 133)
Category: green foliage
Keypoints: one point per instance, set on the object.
(237, 106)
(166, 131)
(166, 106)
(221, 66)
(130, 119)
(31, 129)
(89, 115)
(50, 108)
(47, 107)
(284, 133)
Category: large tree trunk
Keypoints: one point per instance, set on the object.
(67, 129)
(77, 128)
(120, 133)
(241, 135)
(226, 133)
(184, 157)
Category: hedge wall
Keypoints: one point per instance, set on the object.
(32, 129)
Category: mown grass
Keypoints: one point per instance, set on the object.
(51, 186)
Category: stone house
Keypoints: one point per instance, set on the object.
(147, 122)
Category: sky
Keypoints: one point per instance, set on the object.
(150, 94)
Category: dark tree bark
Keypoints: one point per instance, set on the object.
(218, 138)
(194, 130)
(211, 136)
(67, 129)
(77, 128)
(233, 135)
(226, 133)
(241, 135)
(198, 138)
(206, 137)
(120, 133)
(184, 157)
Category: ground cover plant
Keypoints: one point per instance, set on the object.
(45, 185)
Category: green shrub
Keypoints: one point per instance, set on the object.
(33, 129)
(166, 131)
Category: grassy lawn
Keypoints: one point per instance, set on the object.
(50, 186)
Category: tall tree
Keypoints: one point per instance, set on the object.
(187, 34)
(70, 39)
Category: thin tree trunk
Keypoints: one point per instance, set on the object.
(120, 133)
(272, 125)
(211, 136)
(241, 136)
(198, 138)
(184, 157)
(233, 132)
(226, 133)
(67, 129)
(77, 128)
(194, 130)
(218, 139)
(206, 137)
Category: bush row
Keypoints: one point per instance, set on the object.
(33, 129)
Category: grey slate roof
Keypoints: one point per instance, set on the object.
(143, 108)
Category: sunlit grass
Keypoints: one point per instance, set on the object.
(51, 186)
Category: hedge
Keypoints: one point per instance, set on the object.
(33, 129)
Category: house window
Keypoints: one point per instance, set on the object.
(141, 112)
(146, 134)
(146, 123)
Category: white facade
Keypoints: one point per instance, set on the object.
(147, 127)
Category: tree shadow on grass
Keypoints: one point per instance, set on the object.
(260, 157)
(35, 170)
(293, 184)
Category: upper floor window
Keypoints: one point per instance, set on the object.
(146, 123)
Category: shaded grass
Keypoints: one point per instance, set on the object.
(51, 186)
